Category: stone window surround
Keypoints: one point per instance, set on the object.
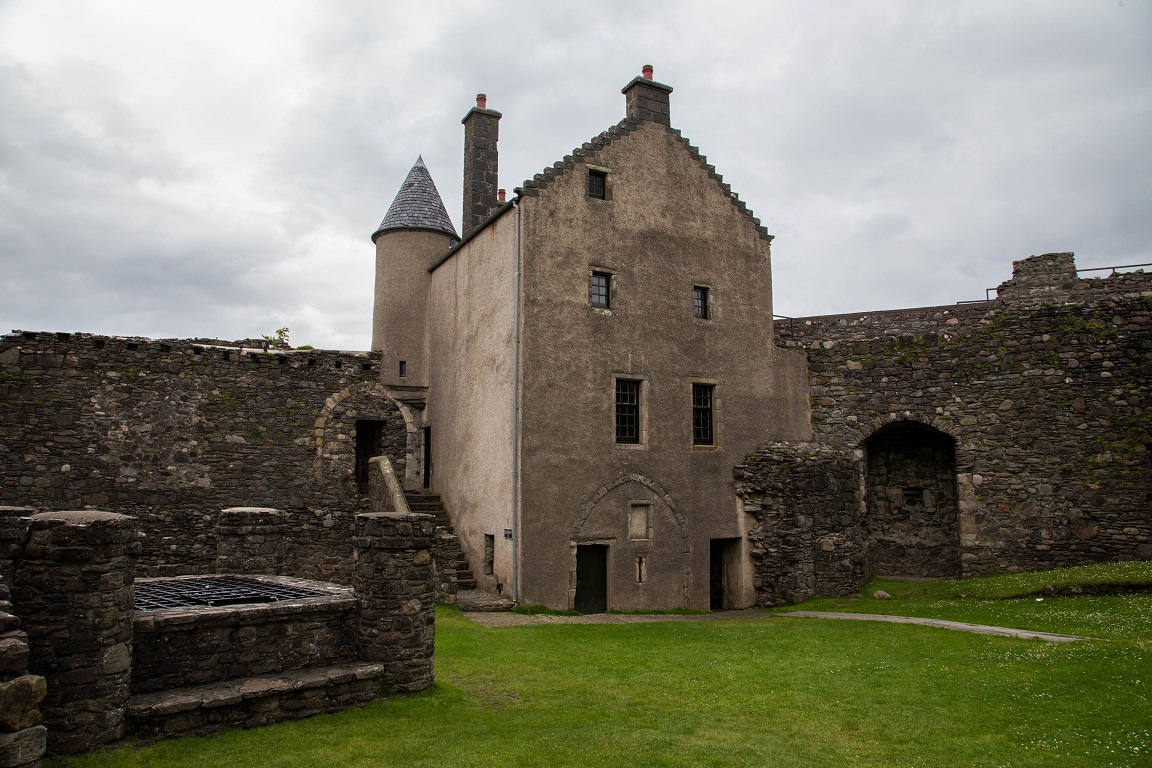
(643, 380)
(595, 271)
(606, 175)
(717, 422)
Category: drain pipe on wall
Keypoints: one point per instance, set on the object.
(516, 414)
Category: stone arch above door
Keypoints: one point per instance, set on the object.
(648, 552)
(335, 429)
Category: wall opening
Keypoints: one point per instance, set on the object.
(591, 578)
(369, 443)
(723, 565)
(489, 554)
(427, 458)
(912, 522)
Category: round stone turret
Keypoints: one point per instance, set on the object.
(414, 234)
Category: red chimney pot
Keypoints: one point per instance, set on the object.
(481, 101)
(647, 71)
(500, 195)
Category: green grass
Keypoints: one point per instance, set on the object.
(1020, 600)
(762, 692)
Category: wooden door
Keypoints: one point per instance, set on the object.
(591, 578)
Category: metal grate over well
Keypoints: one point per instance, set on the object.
(213, 591)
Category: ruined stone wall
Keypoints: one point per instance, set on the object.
(170, 432)
(1047, 400)
(808, 539)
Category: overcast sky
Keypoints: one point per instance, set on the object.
(216, 168)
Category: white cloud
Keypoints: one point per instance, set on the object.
(216, 169)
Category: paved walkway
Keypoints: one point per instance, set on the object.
(495, 620)
(979, 629)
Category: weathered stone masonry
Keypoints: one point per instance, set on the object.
(170, 432)
(1044, 394)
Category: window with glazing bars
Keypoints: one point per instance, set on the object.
(627, 411)
(597, 184)
(700, 302)
(702, 433)
(601, 290)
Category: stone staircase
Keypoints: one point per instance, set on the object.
(430, 503)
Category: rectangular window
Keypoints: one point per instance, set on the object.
(700, 302)
(627, 411)
(600, 290)
(597, 184)
(702, 433)
(403, 368)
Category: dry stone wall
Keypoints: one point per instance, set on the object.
(171, 432)
(1045, 394)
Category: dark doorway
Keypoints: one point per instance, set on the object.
(722, 554)
(591, 578)
(369, 443)
(913, 519)
(427, 458)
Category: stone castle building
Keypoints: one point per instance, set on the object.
(590, 375)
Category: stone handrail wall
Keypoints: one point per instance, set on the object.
(385, 491)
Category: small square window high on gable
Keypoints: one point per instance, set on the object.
(600, 290)
(598, 184)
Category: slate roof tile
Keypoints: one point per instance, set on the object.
(417, 205)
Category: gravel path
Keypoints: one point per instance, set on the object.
(979, 629)
(496, 620)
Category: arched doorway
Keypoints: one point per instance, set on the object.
(912, 522)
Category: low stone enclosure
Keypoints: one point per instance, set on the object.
(271, 647)
(965, 440)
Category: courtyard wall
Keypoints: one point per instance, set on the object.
(171, 432)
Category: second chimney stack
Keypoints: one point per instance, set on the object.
(481, 163)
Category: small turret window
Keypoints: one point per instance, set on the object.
(598, 184)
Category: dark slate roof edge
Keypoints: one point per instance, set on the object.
(496, 213)
(402, 228)
(532, 187)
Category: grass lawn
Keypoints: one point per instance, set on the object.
(765, 692)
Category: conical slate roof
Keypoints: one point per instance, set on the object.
(417, 205)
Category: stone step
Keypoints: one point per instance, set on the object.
(474, 600)
(249, 702)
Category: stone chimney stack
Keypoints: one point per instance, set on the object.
(648, 99)
(481, 132)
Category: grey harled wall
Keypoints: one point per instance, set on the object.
(172, 432)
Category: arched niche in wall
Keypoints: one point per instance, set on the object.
(912, 519)
(647, 559)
